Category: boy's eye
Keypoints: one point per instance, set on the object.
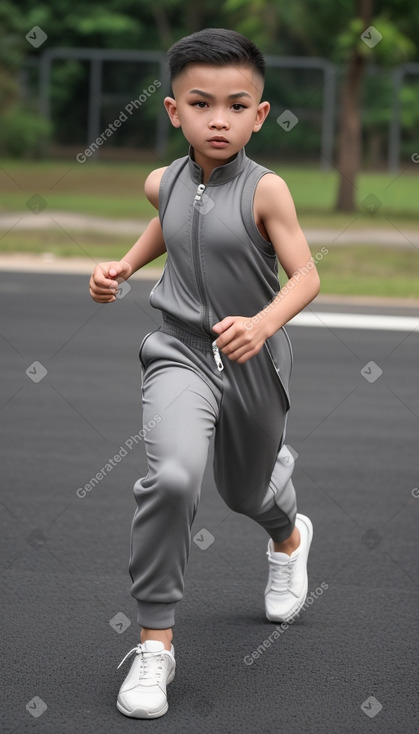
(201, 105)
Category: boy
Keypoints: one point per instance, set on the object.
(221, 360)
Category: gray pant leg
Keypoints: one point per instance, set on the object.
(252, 467)
(167, 497)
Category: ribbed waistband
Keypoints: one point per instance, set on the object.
(172, 327)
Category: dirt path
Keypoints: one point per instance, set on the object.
(392, 237)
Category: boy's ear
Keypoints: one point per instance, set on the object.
(261, 115)
(171, 109)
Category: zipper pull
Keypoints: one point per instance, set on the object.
(199, 192)
(217, 356)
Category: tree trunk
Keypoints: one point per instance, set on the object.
(163, 25)
(349, 139)
(194, 16)
(270, 22)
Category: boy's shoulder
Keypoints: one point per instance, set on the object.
(263, 168)
(153, 180)
(154, 176)
(271, 179)
(152, 185)
(269, 183)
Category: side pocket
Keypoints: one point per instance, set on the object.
(156, 285)
(140, 353)
(290, 348)
(283, 371)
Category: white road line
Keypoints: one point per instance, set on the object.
(356, 321)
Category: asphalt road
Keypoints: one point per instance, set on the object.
(349, 662)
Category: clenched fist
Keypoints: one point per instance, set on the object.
(105, 279)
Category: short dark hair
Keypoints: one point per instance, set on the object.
(215, 47)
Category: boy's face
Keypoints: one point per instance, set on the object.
(218, 108)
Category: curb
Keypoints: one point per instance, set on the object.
(22, 263)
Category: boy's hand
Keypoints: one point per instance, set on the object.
(239, 342)
(105, 280)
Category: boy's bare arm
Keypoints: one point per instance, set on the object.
(106, 276)
(149, 246)
(243, 337)
(275, 206)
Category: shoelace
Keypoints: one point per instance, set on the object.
(282, 572)
(151, 662)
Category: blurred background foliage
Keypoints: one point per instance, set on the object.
(321, 29)
(324, 28)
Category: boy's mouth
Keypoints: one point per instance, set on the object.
(218, 141)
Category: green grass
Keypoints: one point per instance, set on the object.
(116, 190)
(110, 190)
(370, 270)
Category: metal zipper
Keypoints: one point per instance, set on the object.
(217, 356)
(195, 248)
(199, 192)
(198, 274)
(195, 253)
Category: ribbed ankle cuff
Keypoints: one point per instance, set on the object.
(156, 615)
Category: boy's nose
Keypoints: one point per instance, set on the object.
(219, 123)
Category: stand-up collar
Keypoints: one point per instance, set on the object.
(221, 174)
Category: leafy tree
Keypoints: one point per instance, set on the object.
(330, 29)
(336, 30)
(21, 127)
(367, 36)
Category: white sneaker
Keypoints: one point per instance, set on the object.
(143, 692)
(287, 585)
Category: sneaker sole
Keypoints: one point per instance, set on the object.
(141, 713)
(302, 599)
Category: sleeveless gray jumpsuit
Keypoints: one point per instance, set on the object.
(218, 264)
